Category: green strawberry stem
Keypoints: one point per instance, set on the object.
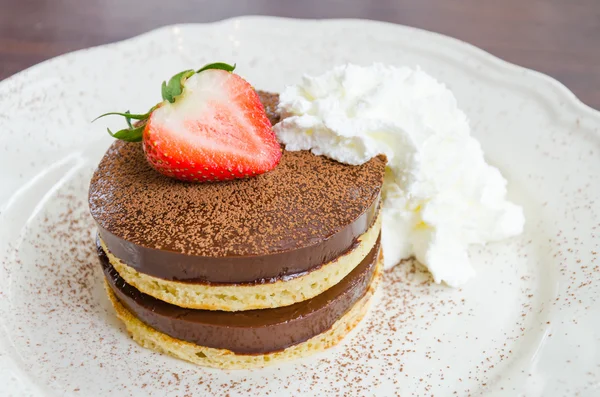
(127, 115)
(170, 91)
(128, 120)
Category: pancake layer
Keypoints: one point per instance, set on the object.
(150, 338)
(235, 297)
(247, 332)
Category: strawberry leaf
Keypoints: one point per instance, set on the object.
(174, 87)
(129, 134)
(217, 65)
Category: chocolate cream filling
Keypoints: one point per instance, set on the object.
(247, 332)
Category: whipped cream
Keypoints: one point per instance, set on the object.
(439, 194)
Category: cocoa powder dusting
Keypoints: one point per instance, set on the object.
(303, 201)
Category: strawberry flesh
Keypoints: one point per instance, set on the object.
(216, 130)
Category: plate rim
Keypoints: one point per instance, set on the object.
(478, 52)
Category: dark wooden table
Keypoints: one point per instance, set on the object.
(557, 37)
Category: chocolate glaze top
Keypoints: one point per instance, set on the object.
(305, 201)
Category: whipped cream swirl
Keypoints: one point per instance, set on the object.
(439, 194)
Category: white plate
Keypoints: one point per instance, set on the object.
(529, 324)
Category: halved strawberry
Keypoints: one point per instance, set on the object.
(211, 126)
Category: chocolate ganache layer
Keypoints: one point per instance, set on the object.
(306, 212)
(247, 332)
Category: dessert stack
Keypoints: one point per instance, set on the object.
(220, 247)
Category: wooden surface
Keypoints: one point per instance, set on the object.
(558, 37)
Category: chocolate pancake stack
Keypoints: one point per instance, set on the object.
(243, 273)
